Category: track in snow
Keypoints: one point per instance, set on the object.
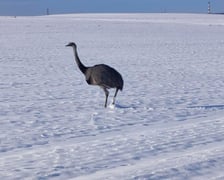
(158, 153)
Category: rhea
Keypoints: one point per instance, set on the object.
(102, 75)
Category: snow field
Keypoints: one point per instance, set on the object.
(167, 122)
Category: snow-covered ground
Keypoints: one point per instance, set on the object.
(168, 122)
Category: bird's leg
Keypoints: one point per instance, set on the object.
(115, 96)
(106, 94)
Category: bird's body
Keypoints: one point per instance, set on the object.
(102, 75)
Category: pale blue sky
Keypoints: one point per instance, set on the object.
(38, 7)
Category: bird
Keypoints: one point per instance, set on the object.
(101, 74)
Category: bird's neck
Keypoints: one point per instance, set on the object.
(79, 63)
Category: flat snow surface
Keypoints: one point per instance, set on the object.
(167, 123)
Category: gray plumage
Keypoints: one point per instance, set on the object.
(102, 75)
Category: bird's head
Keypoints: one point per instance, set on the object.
(72, 44)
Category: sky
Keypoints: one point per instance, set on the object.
(39, 7)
